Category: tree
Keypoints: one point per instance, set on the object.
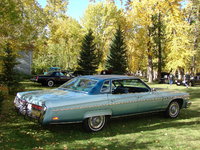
(60, 46)
(60, 41)
(117, 61)
(192, 15)
(147, 34)
(178, 41)
(88, 62)
(56, 8)
(158, 39)
(21, 22)
(9, 76)
(103, 18)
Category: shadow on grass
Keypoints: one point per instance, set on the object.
(31, 86)
(17, 133)
(22, 134)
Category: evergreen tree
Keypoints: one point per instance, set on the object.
(88, 58)
(117, 61)
(9, 76)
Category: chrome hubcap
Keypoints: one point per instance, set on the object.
(97, 122)
(50, 83)
(174, 109)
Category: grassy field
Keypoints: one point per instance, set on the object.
(151, 131)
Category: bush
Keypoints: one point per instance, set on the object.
(9, 76)
(3, 94)
(15, 88)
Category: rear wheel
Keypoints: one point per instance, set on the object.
(50, 83)
(173, 110)
(94, 124)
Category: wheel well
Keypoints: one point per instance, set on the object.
(180, 101)
(50, 80)
(106, 112)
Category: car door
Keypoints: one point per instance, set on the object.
(122, 102)
(150, 101)
(136, 98)
(63, 77)
(57, 77)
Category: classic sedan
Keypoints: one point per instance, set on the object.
(52, 78)
(94, 99)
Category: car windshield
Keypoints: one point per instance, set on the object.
(80, 84)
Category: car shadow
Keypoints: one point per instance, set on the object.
(18, 128)
(68, 133)
(116, 127)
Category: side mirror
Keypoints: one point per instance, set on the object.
(153, 89)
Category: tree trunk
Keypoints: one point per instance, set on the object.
(159, 49)
(150, 59)
(150, 69)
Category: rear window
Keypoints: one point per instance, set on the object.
(80, 84)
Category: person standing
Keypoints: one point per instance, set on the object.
(187, 79)
(171, 79)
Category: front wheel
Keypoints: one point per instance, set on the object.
(173, 110)
(94, 124)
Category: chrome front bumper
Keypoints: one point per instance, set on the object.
(188, 104)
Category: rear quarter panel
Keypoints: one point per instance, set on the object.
(75, 109)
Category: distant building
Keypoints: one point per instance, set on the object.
(25, 62)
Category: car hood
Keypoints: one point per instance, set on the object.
(40, 96)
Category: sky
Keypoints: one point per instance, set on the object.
(76, 8)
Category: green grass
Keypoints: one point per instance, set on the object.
(151, 131)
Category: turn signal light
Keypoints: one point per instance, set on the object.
(55, 118)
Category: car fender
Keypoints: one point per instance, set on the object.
(180, 100)
(102, 112)
(50, 79)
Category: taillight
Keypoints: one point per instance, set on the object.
(36, 78)
(37, 107)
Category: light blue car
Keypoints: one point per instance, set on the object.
(92, 100)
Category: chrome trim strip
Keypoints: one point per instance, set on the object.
(127, 102)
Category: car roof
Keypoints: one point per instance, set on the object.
(113, 77)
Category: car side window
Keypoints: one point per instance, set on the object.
(105, 87)
(61, 74)
(53, 74)
(128, 86)
(57, 74)
(118, 87)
